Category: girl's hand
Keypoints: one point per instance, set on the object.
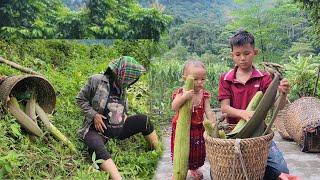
(188, 94)
(98, 122)
(246, 115)
(284, 86)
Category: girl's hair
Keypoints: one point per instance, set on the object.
(241, 38)
(194, 63)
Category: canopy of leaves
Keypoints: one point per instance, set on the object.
(275, 25)
(30, 18)
(98, 19)
(313, 9)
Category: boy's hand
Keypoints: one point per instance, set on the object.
(246, 115)
(284, 86)
(188, 94)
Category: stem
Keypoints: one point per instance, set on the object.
(18, 66)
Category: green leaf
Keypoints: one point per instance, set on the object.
(93, 157)
(15, 128)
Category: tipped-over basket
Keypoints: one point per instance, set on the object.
(45, 93)
(280, 125)
(303, 123)
(238, 158)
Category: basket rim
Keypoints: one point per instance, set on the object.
(18, 78)
(213, 139)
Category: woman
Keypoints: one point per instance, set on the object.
(103, 102)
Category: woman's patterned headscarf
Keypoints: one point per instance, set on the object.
(127, 70)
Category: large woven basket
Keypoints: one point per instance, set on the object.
(45, 93)
(303, 123)
(279, 123)
(226, 163)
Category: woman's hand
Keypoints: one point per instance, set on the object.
(284, 86)
(98, 122)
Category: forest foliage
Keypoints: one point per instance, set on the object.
(98, 19)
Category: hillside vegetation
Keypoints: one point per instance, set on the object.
(67, 65)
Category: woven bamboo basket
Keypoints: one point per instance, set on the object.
(226, 163)
(45, 93)
(279, 123)
(303, 123)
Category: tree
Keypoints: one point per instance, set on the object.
(275, 26)
(125, 19)
(147, 24)
(312, 7)
(29, 19)
(113, 19)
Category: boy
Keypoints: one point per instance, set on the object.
(239, 85)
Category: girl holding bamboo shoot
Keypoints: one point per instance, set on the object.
(200, 99)
(103, 102)
(238, 86)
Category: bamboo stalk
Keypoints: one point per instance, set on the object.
(18, 66)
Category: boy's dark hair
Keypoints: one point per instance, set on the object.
(241, 38)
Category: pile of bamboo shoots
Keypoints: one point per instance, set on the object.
(24, 107)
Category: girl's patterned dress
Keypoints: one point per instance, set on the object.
(197, 146)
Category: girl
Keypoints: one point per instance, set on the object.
(200, 107)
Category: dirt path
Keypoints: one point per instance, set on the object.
(164, 169)
(304, 165)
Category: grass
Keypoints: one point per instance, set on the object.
(67, 65)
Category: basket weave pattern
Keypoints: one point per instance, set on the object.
(225, 162)
(45, 93)
(302, 113)
(279, 123)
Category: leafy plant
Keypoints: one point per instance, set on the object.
(8, 162)
(95, 161)
(301, 73)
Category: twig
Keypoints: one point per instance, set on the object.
(18, 66)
